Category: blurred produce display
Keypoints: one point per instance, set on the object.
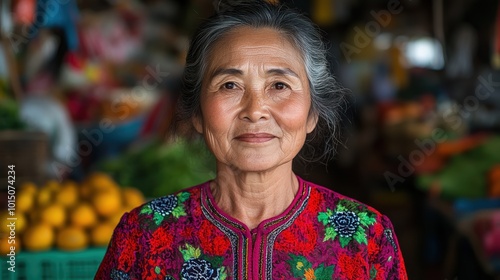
(494, 181)
(158, 169)
(469, 169)
(69, 216)
(9, 115)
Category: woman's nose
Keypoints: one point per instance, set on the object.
(253, 106)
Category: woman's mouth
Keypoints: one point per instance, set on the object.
(255, 137)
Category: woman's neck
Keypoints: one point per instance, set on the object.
(252, 197)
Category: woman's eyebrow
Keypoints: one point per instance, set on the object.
(226, 71)
(237, 72)
(282, 72)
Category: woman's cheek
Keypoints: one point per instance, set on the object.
(293, 114)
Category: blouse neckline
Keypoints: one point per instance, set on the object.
(265, 225)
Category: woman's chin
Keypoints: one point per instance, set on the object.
(256, 163)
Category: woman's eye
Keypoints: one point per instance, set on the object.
(280, 86)
(229, 85)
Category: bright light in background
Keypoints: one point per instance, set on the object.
(425, 53)
(383, 41)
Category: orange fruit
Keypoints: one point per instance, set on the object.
(44, 197)
(28, 187)
(99, 181)
(4, 215)
(132, 198)
(52, 185)
(24, 201)
(38, 237)
(6, 245)
(101, 234)
(67, 195)
(54, 215)
(20, 222)
(107, 203)
(71, 239)
(85, 190)
(83, 215)
(33, 216)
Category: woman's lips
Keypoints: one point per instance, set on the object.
(255, 137)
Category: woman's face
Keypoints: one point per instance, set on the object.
(255, 100)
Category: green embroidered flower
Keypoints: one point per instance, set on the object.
(348, 222)
(164, 206)
(302, 268)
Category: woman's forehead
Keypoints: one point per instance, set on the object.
(248, 35)
(255, 44)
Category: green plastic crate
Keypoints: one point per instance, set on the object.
(54, 265)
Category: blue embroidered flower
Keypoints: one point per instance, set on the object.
(119, 275)
(348, 222)
(198, 269)
(164, 205)
(161, 208)
(345, 223)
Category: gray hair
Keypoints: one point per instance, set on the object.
(327, 96)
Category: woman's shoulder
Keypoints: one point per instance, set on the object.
(348, 217)
(331, 201)
(168, 207)
(350, 226)
(182, 196)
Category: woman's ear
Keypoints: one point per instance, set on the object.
(312, 120)
(197, 123)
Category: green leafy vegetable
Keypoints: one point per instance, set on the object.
(465, 174)
(9, 115)
(160, 169)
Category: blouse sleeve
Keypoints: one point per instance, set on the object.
(121, 255)
(389, 261)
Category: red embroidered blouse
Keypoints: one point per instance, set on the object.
(321, 235)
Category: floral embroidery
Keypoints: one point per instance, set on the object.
(348, 222)
(164, 205)
(344, 223)
(303, 269)
(212, 241)
(119, 275)
(195, 267)
(352, 266)
(373, 250)
(167, 205)
(161, 240)
(177, 238)
(129, 245)
(199, 269)
(316, 199)
(299, 238)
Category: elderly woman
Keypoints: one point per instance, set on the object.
(257, 87)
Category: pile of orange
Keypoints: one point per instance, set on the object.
(68, 216)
